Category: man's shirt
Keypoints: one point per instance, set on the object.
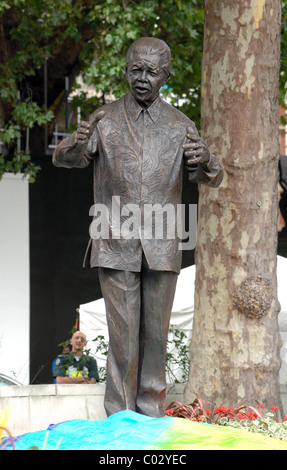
(138, 164)
(68, 365)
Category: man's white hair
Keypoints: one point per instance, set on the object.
(151, 46)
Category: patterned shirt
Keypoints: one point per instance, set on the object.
(138, 165)
(68, 365)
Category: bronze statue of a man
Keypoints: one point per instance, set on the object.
(139, 146)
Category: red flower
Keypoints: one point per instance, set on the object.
(221, 409)
(274, 408)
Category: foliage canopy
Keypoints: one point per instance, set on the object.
(91, 38)
(88, 37)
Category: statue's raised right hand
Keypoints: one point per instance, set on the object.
(86, 128)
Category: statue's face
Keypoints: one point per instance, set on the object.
(146, 76)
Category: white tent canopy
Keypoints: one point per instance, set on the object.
(93, 314)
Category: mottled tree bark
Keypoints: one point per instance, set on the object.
(235, 348)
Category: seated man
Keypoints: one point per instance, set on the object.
(76, 368)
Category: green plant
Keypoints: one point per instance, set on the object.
(13, 159)
(202, 411)
(265, 425)
(19, 163)
(102, 347)
(177, 358)
(246, 416)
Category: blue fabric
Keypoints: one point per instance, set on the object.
(128, 430)
(124, 430)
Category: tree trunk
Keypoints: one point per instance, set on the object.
(235, 348)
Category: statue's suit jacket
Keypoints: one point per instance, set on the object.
(138, 161)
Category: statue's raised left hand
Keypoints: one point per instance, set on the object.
(195, 151)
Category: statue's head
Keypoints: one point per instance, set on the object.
(148, 67)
